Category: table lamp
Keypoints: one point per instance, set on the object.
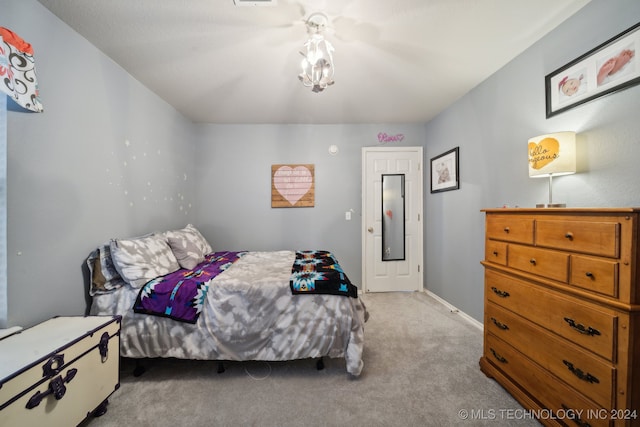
(552, 155)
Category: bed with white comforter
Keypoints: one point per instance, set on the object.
(249, 312)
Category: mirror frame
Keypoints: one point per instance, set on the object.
(393, 205)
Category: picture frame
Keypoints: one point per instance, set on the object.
(445, 171)
(610, 67)
(293, 186)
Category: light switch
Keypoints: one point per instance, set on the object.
(347, 215)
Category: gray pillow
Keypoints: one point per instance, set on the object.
(188, 246)
(142, 259)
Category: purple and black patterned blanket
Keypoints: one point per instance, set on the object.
(180, 295)
(318, 272)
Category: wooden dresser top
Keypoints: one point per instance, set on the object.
(562, 210)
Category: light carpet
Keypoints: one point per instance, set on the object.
(421, 369)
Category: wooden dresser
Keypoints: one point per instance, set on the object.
(562, 312)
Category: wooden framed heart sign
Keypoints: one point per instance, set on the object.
(292, 186)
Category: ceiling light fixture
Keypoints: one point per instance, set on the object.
(317, 65)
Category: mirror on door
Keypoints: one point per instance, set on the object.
(393, 217)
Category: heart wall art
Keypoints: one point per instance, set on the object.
(292, 186)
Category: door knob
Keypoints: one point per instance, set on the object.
(370, 229)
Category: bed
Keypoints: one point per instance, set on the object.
(178, 298)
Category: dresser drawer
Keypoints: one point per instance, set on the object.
(509, 228)
(585, 324)
(542, 262)
(584, 372)
(590, 237)
(495, 251)
(595, 274)
(548, 390)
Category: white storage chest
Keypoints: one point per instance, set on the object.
(59, 372)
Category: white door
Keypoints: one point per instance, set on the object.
(395, 275)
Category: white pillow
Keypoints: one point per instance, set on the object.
(142, 259)
(188, 246)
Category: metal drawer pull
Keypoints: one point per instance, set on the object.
(585, 376)
(501, 294)
(498, 357)
(495, 253)
(589, 274)
(581, 328)
(532, 261)
(56, 387)
(569, 235)
(499, 324)
(573, 416)
(506, 229)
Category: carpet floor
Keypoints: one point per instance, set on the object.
(421, 369)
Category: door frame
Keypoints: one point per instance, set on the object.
(363, 225)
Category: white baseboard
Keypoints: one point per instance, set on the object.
(453, 309)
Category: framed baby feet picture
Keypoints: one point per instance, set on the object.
(608, 68)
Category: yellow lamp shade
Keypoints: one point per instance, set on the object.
(552, 155)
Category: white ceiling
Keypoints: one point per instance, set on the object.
(396, 61)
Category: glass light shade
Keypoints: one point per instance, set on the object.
(552, 154)
(317, 65)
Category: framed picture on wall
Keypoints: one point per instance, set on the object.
(292, 186)
(608, 68)
(445, 173)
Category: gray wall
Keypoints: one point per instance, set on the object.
(106, 159)
(234, 186)
(492, 125)
(74, 181)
